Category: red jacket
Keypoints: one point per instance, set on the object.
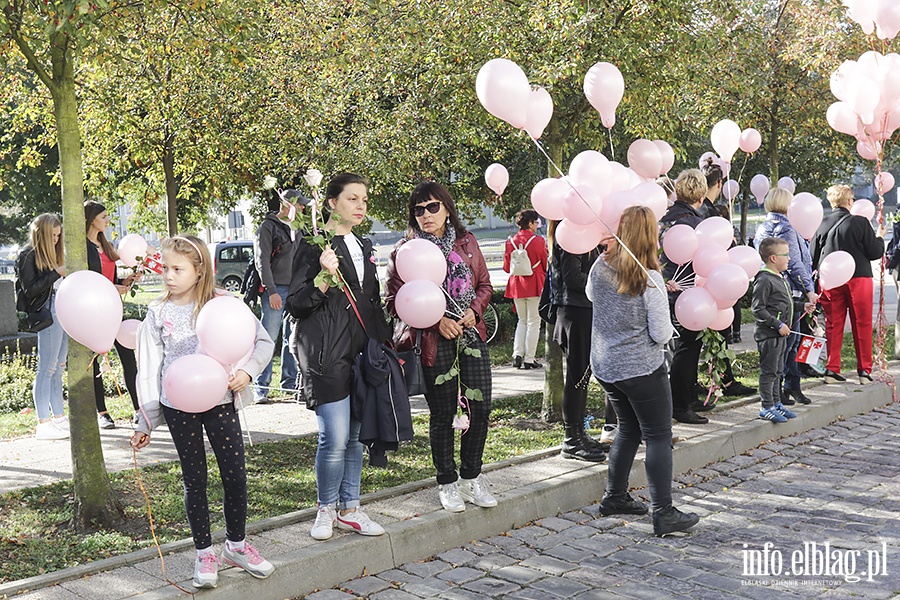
(467, 248)
(530, 286)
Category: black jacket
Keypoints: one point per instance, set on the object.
(94, 264)
(327, 336)
(854, 235)
(33, 286)
(569, 274)
(772, 305)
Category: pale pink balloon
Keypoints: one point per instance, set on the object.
(805, 214)
(420, 303)
(591, 168)
(680, 243)
(644, 159)
(578, 239)
(130, 248)
(604, 88)
(863, 208)
(725, 138)
(746, 258)
(708, 257)
(842, 118)
(666, 155)
(127, 335)
(89, 308)
(759, 187)
(497, 178)
(836, 269)
(613, 207)
(503, 89)
(540, 111)
(750, 140)
(582, 204)
(730, 189)
(226, 329)
(786, 183)
(620, 177)
(884, 182)
(727, 283)
(421, 259)
(547, 197)
(706, 157)
(724, 319)
(864, 149)
(699, 281)
(716, 231)
(887, 19)
(696, 309)
(195, 383)
(650, 194)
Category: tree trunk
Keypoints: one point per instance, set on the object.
(94, 504)
(168, 161)
(551, 407)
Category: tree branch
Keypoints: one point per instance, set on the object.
(26, 50)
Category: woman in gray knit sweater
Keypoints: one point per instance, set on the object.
(631, 324)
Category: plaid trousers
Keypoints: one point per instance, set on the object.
(443, 401)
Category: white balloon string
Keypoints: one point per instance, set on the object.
(612, 151)
(740, 176)
(245, 422)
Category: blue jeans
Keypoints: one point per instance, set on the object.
(52, 346)
(339, 457)
(272, 321)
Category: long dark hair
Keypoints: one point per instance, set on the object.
(91, 210)
(424, 192)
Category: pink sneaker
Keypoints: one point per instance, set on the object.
(206, 571)
(249, 560)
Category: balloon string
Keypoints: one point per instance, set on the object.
(246, 421)
(612, 151)
(602, 222)
(740, 176)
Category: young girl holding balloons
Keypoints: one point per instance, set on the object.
(168, 341)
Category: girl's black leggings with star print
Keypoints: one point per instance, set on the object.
(223, 429)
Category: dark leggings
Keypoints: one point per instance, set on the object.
(644, 407)
(573, 333)
(129, 370)
(224, 432)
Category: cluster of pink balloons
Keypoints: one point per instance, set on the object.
(805, 214)
(497, 178)
(650, 159)
(727, 138)
(879, 16)
(420, 301)
(503, 89)
(722, 275)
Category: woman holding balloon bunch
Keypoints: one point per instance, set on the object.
(169, 333)
(467, 287)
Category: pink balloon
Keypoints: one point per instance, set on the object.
(705, 157)
(591, 168)
(842, 118)
(759, 187)
(863, 208)
(540, 111)
(708, 257)
(746, 258)
(805, 214)
(604, 88)
(750, 140)
(504, 91)
(725, 138)
(730, 189)
(650, 194)
(127, 335)
(620, 177)
(547, 197)
(727, 283)
(644, 158)
(613, 207)
(716, 231)
(786, 183)
(420, 303)
(884, 182)
(666, 155)
(836, 269)
(864, 149)
(680, 243)
(724, 319)
(130, 248)
(89, 309)
(195, 383)
(578, 239)
(887, 19)
(695, 309)
(421, 259)
(497, 178)
(226, 329)
(582, 204)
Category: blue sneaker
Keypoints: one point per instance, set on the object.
(785, 412)
(770, 414)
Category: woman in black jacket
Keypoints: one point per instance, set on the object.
(326, 338)
(38, 267)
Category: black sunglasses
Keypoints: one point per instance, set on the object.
(432, 207)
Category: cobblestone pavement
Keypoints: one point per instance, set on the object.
(838, 485)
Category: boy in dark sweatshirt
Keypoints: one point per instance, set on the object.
(773, 309)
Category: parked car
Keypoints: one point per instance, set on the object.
(230, 261)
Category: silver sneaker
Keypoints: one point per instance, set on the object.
(206, 571)
(475, 491)
(323, 528)
(450, 498)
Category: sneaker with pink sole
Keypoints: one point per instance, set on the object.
(249, 560)
(206, 571)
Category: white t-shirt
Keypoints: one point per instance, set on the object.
(354, 247)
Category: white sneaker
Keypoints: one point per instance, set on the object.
(450, 498)
(359, 522)
(608, 434)
(49, 431)
(61, 422)
(475, 491)
(206, 571)
(323, 528)
(248, 559)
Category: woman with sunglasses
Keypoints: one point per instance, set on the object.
(433, 217)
